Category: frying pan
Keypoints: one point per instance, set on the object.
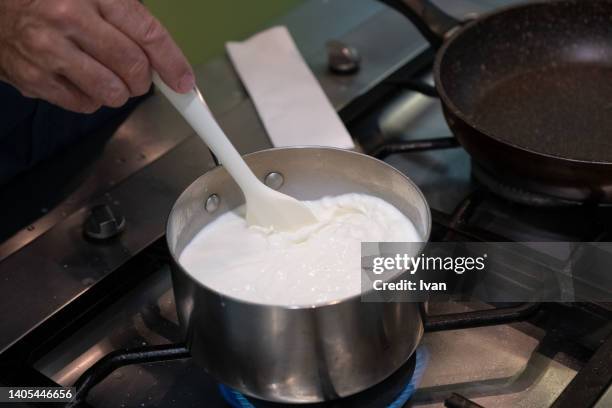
(527, 91)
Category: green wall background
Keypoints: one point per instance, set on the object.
(201, 27)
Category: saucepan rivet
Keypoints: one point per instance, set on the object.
(274, 180)
(212, 203)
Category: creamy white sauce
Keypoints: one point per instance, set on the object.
(314, 265)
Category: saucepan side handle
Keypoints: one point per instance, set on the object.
(430, 20)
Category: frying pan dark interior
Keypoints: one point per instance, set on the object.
(538, 77)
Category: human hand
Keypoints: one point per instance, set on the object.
(84, 54)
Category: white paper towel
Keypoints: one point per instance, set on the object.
(290, 102)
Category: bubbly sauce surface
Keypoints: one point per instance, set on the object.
(311, 266)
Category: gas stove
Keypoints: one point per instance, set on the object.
(100, 314)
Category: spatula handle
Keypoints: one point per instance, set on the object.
(193, 108)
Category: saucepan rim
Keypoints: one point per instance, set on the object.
(349, 299)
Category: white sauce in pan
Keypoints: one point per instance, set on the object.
(317, 264)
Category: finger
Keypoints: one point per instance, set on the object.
(133, 19)
(65, 68)
(60, 91)
(35, 82)
(123, 57)
(91, 77)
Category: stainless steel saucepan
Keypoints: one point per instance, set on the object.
(292, 354)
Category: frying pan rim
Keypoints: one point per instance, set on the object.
(447, 100)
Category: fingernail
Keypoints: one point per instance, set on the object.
(187, 83)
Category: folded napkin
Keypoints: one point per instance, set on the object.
(290, 102)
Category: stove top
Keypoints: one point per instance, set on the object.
(528, 363)
(92, 301)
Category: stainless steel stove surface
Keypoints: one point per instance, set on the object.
(92, 299)
(525, 364)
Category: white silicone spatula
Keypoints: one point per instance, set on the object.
(265, 207)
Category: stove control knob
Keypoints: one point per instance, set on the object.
(342, 58)
(104, 223)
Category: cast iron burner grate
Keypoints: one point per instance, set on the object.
(511, 192)
(394, 392)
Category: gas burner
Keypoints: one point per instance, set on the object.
(511, 192)
(393, 392)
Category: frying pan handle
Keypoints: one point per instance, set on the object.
(431, 21)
